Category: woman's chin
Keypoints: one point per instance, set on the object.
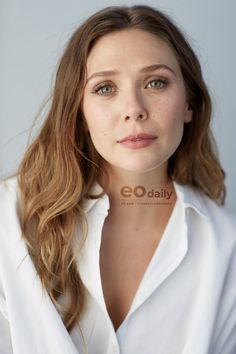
(142, 167)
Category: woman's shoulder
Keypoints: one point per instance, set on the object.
(8, 189)
(220, 221)
(208, 212)
(9, 203)
(220, 215)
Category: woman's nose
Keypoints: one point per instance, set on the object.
(134, 108)
(136, 116)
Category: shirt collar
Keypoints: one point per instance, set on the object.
(190, 197)
(89, 203)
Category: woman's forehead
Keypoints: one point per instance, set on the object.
(129, 47)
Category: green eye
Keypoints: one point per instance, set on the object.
(157, 83)
(104, 90)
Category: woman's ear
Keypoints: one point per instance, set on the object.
(188, 114)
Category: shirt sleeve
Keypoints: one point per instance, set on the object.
(225, 331)
(5, 335)
(227, 338)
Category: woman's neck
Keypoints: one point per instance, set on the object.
(139, 200)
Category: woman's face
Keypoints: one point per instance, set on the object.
(134, 85)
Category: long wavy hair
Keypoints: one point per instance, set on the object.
(61, 165)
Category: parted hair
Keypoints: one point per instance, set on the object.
(61, 165)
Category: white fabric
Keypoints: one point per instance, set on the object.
(185, 303)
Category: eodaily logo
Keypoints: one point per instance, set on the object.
(138, 193)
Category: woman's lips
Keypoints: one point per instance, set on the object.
(137, 141)
(137, 137)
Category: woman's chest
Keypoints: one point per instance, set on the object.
(123, 262)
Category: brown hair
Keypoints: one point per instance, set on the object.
(61, 165)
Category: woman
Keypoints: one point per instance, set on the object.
(113, 234)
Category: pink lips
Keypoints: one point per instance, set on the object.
(136, 141)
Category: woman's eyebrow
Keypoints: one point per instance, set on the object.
(146, 69)
(154, 67)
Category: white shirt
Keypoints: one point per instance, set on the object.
(185, 303)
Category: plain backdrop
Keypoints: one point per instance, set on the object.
(34, 33)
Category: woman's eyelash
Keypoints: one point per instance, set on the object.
(102, 86)
(162, 83)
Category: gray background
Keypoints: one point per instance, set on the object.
(33, 34)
